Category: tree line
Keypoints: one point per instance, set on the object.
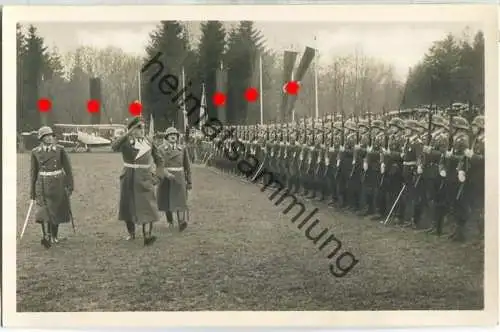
(451, 71)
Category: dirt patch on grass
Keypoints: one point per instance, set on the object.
(239, 253)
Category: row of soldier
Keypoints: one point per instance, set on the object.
(417, 172)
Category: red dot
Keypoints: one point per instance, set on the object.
(44, 105)
(251, 94)
(135, 108)
(93, 106)
(219, 99)
(292, 87)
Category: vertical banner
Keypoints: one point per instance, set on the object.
(252, 116)
(221, 78)
(95, 94)
(305, 63)
(289, 59)
(43, 92)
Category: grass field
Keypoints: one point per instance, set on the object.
(238, 253)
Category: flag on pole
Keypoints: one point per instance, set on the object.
(203, 108)
(289, 59)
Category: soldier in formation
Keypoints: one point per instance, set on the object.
(428, 167)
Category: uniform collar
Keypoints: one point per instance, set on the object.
(47, 148)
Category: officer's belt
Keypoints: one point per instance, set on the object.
(59, 171)
(175, 169)
(409, 163)
(136, 165)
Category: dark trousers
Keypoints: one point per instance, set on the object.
(50, 230)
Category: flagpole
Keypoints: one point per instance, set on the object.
(261, 91)
(184, 112)
(139, 80)
(316, 106)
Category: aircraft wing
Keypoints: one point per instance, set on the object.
(92, 140)
(99, 126)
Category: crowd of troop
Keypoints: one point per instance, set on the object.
(413, 169)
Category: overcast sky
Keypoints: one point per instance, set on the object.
(401, 45)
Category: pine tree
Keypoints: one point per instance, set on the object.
(210, 53)
(171, 40)
(452, 71)
(244, 46)
(33, 64)
(22, 123)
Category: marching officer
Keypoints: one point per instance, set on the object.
(137, 181)
(51, 185)
(173, 190)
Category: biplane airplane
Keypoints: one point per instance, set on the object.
(82, 138)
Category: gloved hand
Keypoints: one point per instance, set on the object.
(342, 148)
(365, 166)
(419, 169)
(468, 153)
(442, 173)
(382, 168)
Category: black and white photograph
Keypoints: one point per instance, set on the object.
(193, 160)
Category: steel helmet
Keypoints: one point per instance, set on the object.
(478, 121)
(379, 124)
(411, 124)
(363, 124)
(397, 122)
(459, 122)
(44, 131)
(439, 121)
(350, 125)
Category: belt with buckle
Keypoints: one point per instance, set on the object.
(136, 165)
(59, 171)
(175, 169)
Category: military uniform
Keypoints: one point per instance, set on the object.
(137, 181)
(474, 190)
(172, 193)
(51, 185)
(392, 166)
(460, 203)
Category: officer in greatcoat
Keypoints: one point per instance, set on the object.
(51, 185)
(137, 180)
(173, 190)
